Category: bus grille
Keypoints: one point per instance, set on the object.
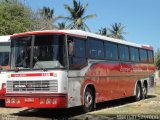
(32, 86)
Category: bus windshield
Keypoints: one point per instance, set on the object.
(4, 53)
(45, 51)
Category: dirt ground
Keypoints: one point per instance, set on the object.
(112, 110)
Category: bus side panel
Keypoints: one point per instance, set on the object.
(105, 77)
(112, 80)
(74, 86)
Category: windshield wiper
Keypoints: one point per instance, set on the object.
(39, 64)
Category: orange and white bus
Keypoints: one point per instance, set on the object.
(4, 62)
(68, 68)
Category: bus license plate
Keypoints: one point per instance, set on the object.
(29, 100)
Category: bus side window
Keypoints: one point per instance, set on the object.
(95, 49)
(123, 53)
(78, 59)
(134, 54)
(143, 55)
(150, 56)
(111, 51)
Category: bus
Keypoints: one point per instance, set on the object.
(4, 62)
(68, 68)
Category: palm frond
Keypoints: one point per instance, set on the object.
(77, 17)
(86, 27)
(68, 18)
(68, 8)
(117, 31)
(58, 17)
(103, 31)
(61, 25)
(89, 16)
(70, 26)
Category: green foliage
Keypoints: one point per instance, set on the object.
(157, 59)
(15, 17)
(77, 17)
(103, 31)
(48, 18)
(47, 13)
(117, 31)
(61, 26)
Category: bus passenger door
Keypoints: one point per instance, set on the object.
(77, 61)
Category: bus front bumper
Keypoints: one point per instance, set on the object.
(36, 100)
(2, 97)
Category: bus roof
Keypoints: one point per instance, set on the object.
(5, 38)
(84, 34)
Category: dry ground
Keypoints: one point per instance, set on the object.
(112, 110)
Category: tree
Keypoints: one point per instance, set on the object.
(48, 17)
(103, 31)
(15, 17)
(157, 59)
(117, 31)
(38, 21)
(61, 26)
(77, 17)
(47, 13)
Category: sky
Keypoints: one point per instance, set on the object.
(141, 18)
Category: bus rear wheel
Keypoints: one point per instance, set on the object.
(138, 95)
(88, 100)
(144, 91)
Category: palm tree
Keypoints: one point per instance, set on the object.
(61, 26)
(47, 13)
(117, 31)
(103, 31)
(48, 17)
(77, 17)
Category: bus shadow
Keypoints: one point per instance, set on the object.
(119, 102)
(151, 96)
(66, 114)
(60, 114)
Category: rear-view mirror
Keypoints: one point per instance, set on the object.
(71, 48)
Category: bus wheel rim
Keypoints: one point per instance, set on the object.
(144, 91)
(138, 92)
(88, 100)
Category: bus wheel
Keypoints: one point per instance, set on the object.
(138, 92)
(88, 100)
(144, 91)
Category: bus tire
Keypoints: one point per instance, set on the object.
(144, 91)
(138, 95)
(88, 100)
